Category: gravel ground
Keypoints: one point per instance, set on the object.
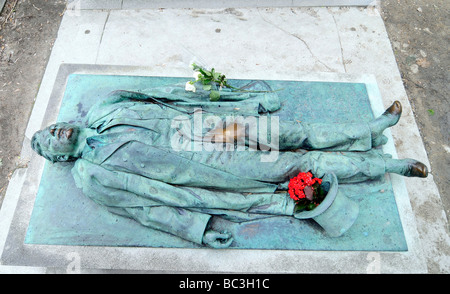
(28, 31)
(419, 34)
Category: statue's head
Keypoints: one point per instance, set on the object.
(57, 142)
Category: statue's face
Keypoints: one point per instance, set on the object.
(57, 142)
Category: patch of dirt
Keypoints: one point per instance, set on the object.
(28, 30)
(419, 34)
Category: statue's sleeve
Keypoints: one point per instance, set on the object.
(109, 188)
(257, 94)
(180, 222)
(253, 100)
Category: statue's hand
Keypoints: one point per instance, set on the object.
(216, 239)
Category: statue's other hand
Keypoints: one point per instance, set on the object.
(216, 239)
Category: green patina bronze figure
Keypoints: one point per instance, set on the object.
(172, 159)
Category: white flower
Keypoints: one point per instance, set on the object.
(190, 87)
(197, 75)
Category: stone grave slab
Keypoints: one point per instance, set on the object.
(57, 220)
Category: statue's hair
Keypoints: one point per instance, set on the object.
(37, 147)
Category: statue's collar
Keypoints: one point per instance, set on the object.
(99, 147)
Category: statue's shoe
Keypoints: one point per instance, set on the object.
(388, 119)
(417, 169)
(394, 112)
